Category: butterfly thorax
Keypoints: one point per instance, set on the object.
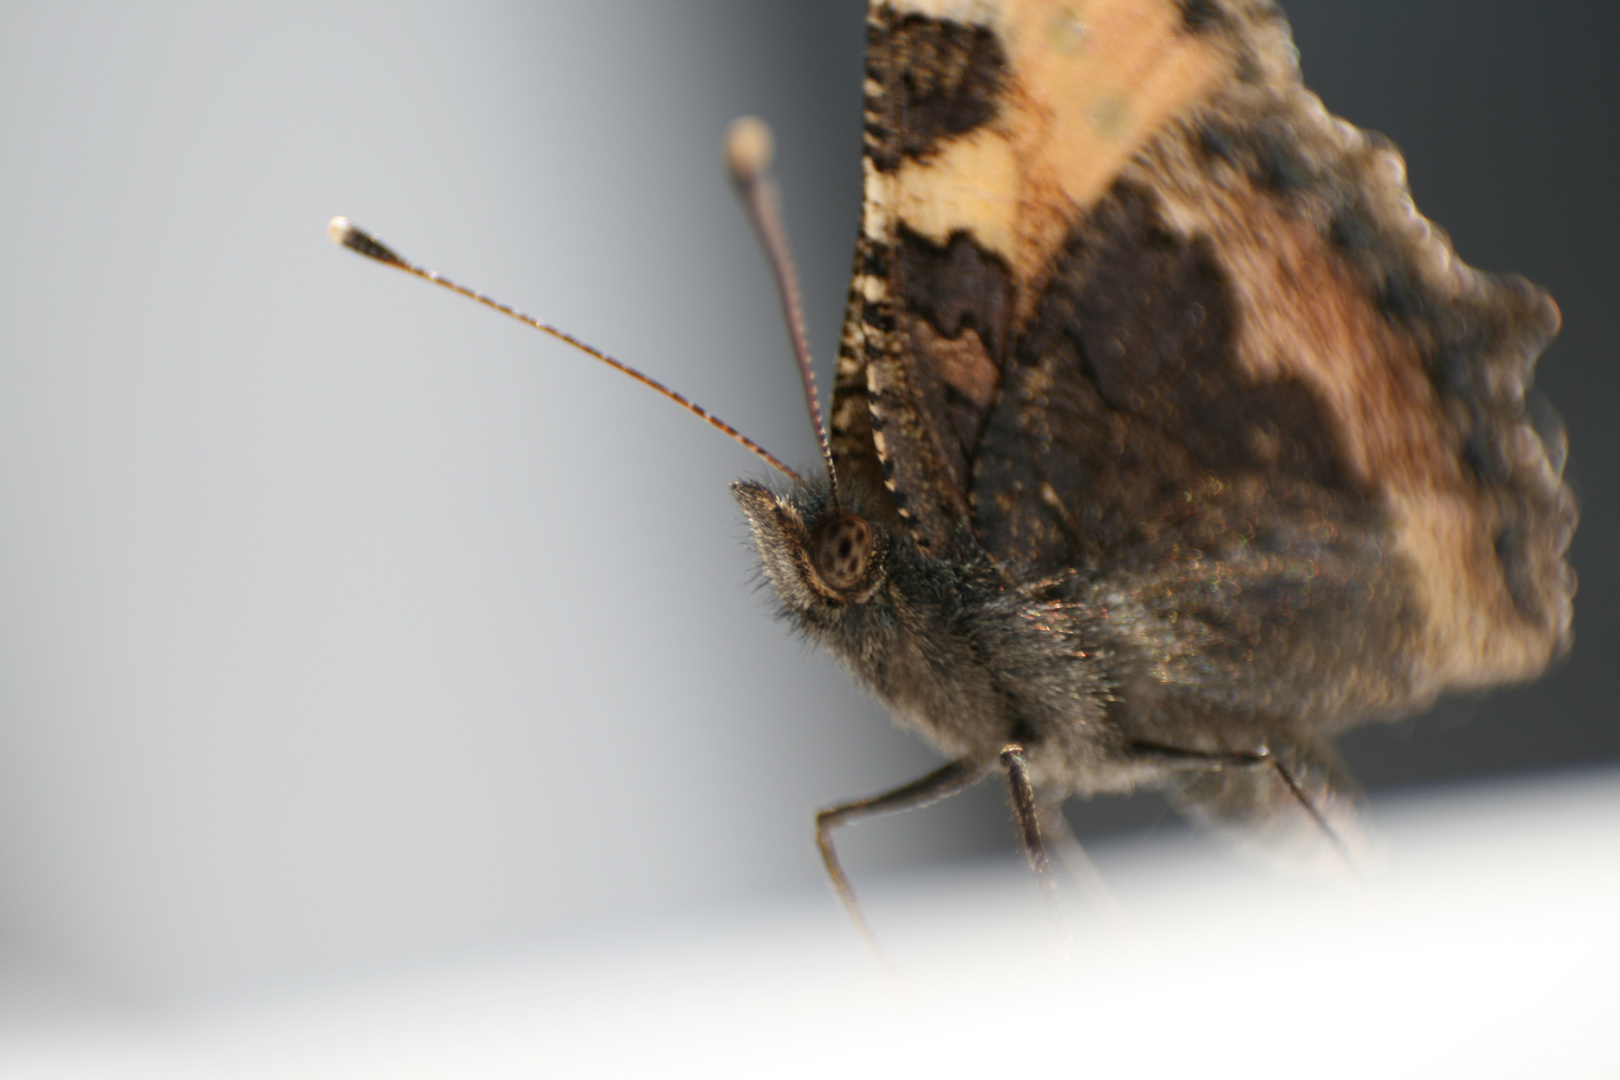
(955, 651)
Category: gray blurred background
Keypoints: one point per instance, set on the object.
(343, 623)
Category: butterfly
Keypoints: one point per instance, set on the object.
(1167, 439)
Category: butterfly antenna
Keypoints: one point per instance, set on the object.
(748, 153)
(346, 234)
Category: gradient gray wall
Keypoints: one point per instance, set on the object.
(341, 621)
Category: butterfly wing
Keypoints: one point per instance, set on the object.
(1131, 310)
(1129, 298)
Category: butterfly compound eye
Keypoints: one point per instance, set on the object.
(842, 551)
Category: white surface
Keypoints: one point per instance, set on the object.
(1486, 947)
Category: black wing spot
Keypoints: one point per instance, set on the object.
(940, 79)
(1202, 16)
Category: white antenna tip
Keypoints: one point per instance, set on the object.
(339, 230)
(748, 148)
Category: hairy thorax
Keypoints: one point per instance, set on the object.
(952, 651)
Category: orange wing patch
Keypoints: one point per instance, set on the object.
(1090, 83)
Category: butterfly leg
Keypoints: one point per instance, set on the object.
(1065, 847)
(1028, 812)
(1069, 853)
(942, 783)
(1196, 759)
(1315, 811)
(1261, 758)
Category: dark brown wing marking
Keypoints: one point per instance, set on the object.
(1126, 393)
(939, 79)
(1202, 16)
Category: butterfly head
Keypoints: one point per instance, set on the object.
(822, 558)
